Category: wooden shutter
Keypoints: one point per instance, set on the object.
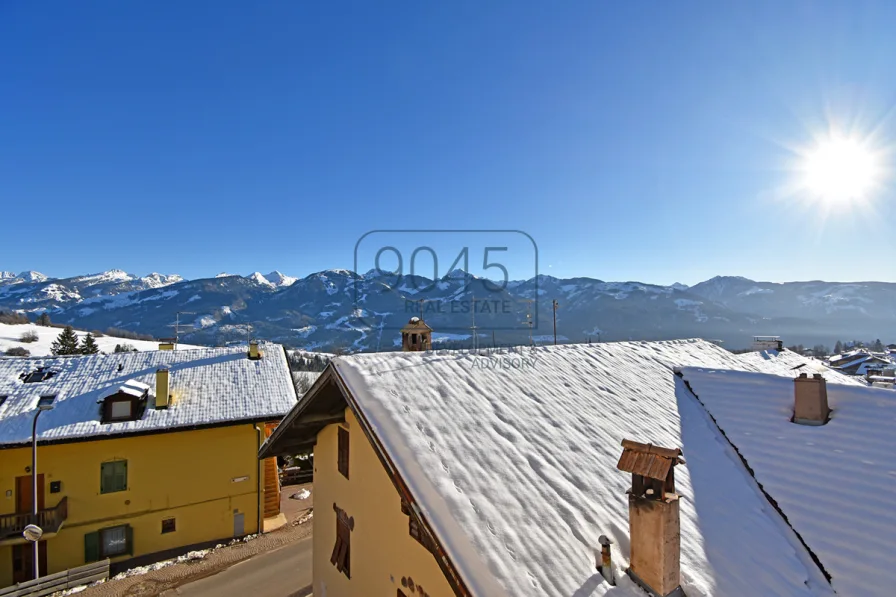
(122, 475)
(342, 550)
(343, 451)
(129, 540)
(92, 547)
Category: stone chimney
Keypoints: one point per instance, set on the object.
(653, 517)
(810, 400)
(163, 392)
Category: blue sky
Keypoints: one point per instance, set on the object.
(652, 142)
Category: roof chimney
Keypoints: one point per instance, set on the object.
(810, 400)
(254, 353)
(653, 517)
(166, 345)
(163, 395)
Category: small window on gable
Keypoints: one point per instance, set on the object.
(46, 400)
(168, 525)
(342, 458)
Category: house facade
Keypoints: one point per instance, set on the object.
(142, 456)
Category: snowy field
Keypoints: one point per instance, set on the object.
(10, 334)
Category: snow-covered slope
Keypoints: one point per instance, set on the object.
(10, 334)
(835, 483)
(515, 466)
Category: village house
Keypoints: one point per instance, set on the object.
(611, 468)
(140, 456)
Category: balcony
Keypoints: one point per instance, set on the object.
(49, 519)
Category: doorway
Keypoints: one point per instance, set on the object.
(23, 561)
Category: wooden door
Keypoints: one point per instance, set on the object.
(23, 561)
(23, 493)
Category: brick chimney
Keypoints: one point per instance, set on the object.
(653, 517)
(810, 400)
(163, 392)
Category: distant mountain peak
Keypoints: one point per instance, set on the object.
(32, 276)
(6, 275)
(279, 279)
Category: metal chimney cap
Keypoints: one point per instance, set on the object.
(604, 540)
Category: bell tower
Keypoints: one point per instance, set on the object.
(416, 336)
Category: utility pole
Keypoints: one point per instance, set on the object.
(473, 327)
(556, 304)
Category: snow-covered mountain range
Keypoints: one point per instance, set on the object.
(342, 309)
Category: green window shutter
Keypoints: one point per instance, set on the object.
(113, 476)
(129, 534)
(92, 547)
(122, 475)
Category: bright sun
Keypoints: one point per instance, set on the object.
(840, 170)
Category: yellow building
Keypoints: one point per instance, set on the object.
(141, 456)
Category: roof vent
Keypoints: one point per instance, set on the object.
(810, 400)
(653, 517)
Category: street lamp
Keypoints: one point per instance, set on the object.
(41, 407)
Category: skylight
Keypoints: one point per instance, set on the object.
(38, 375)
(46, 400)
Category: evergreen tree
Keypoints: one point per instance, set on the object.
(838, 347)
(66, 343)
(44, 320)
(878, 346)
(88, 345)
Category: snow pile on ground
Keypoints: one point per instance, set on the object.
(301, 495)
(10, 334)
(835, 483)
(515, 469)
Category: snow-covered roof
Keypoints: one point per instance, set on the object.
(835, 483)
(512, 459)
(210, 386)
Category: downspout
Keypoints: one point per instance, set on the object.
(260, 473)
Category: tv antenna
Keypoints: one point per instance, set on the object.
(177, 325)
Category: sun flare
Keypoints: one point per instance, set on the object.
(840, 169)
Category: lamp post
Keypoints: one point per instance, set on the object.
(40, 408)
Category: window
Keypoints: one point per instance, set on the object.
(109, 543)
(38, 375)
(343, 452)
(342, 551)
(119, 409)
(113, 476)
(46, 400)
(168, 525)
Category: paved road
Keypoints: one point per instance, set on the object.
(284, 572)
